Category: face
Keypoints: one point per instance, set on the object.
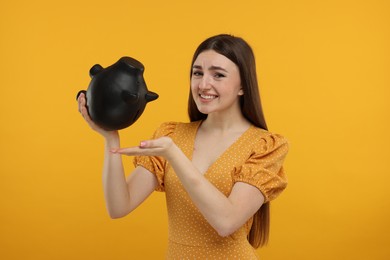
(215, 83)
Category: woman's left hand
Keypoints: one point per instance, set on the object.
(162, 146)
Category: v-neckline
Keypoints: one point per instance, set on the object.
(223, 154)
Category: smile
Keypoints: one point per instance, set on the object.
(208, 97)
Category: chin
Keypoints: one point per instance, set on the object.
(204, 110)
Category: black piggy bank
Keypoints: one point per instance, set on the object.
(117, 95)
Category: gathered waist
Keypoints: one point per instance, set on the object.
(226, 248)
(204, 242)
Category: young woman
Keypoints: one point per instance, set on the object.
(219, 171)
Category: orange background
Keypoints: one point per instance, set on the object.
(325, 85)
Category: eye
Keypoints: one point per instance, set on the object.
(197, 73)
(219, 75)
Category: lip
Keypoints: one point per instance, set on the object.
(204, 97)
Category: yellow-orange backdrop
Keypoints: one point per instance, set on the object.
(324, 74)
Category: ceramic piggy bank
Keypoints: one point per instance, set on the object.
(117, 95)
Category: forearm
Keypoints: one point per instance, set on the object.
(224, 214)
(218, 210)
(114, 181)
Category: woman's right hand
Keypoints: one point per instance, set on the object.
(84, 112)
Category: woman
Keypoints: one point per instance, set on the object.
(219, 171)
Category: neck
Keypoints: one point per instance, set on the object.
(224, 123)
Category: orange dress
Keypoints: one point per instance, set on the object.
(256, 158)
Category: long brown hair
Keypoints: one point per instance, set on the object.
(238, 51)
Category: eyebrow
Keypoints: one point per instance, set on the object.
(211, 68)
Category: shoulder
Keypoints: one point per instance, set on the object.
(263, 168)
(265, 141)
(171, 128)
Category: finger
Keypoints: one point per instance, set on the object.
(82, 107)
(85, 114)
(87, 118)
(144, 144)
(114, 150)
(162, 142)
(128, 151)
(80, 92)
(81, 101)
(154, 143)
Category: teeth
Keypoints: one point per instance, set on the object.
(207, 96)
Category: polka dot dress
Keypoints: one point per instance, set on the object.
(255, 158)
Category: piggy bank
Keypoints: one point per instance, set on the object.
(117, 95)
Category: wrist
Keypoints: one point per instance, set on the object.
(172, 153)
(112, 139)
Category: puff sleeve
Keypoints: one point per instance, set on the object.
(156, 164)
(264, 167)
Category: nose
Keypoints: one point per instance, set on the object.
(204, 83)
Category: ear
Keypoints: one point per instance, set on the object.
(241, 92)
(95, 70)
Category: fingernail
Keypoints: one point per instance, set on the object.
(142, 144)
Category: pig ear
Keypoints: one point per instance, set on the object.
(95, 70)
(150, 96)
(130, 98)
